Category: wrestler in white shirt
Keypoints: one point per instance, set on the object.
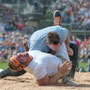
(46, 68)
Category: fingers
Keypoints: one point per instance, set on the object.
(65, 68)
(67, 65)
(58, 65)
(70, 52)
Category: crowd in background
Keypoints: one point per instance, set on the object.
(83, 47)
(76, 12)
(11, 43)
(83, 50)
(11, 21)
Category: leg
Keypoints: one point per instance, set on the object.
(63, 52)
(74, 59)
(8, 72)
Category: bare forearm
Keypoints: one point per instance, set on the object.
(67, 40)
(62, 71)
(49, 80)
(54, 79)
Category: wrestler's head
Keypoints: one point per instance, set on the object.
(19, 61)
(53, 41)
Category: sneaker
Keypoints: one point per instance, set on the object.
(70, 83)
(67, 81)
(72, 79)
(57, 18)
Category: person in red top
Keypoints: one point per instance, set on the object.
(74, 41)
(20, 25)
(85, 42)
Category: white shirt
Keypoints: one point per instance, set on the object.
(42, 64)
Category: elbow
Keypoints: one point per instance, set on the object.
(43, 81)
(42, 84)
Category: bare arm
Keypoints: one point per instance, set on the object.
(54, 79)
(49, 81)
(67, 40)
(69, 50)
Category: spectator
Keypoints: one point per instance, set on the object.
(75, 41)
(88, 62)
(83, 52)
(75, 11)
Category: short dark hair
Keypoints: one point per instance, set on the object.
(53, 38)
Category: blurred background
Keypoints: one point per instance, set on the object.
(20, 18)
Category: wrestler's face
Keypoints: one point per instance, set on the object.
(23, 57)
(54, 47)
(20, 61)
